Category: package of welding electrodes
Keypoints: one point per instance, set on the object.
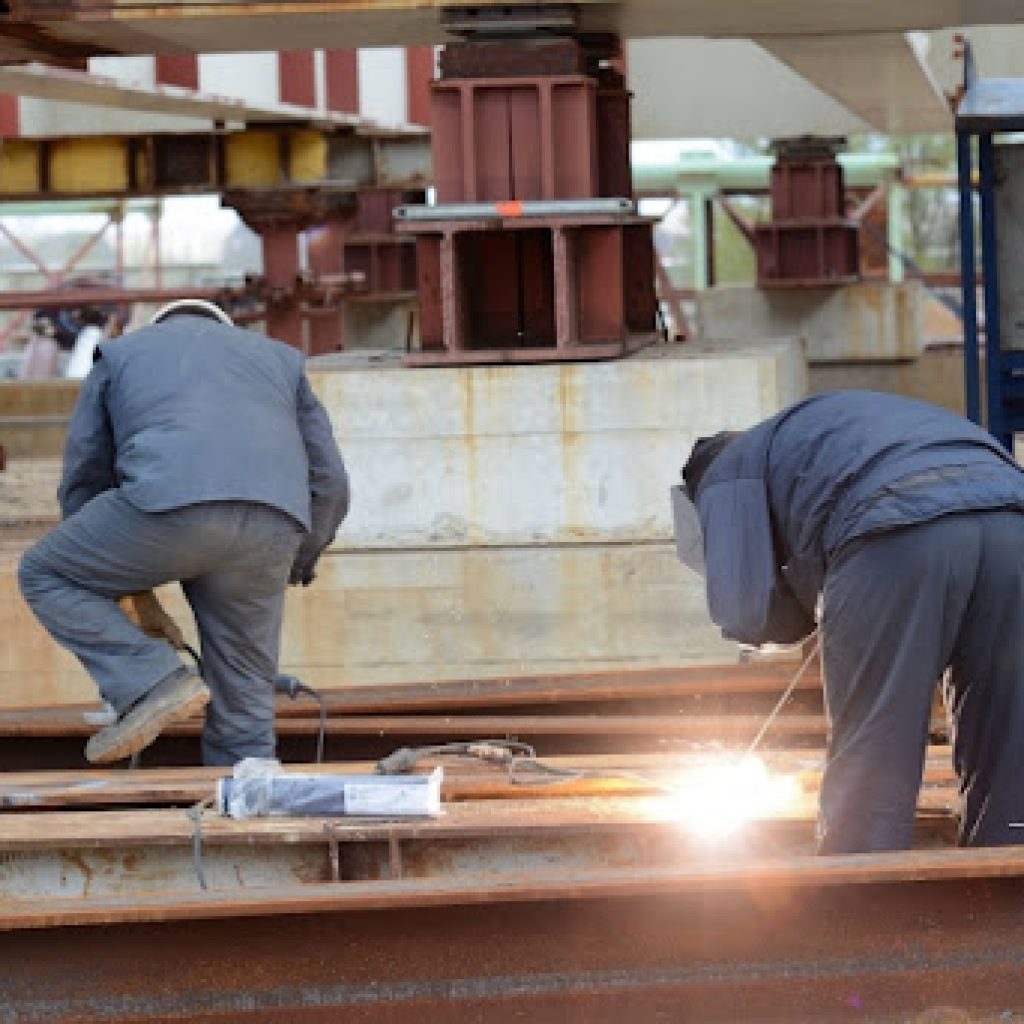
(260, 788)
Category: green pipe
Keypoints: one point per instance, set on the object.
(673, 166)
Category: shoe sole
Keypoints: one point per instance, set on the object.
(143, 726)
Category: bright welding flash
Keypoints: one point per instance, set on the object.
(717, 800)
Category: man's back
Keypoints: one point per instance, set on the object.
(785, 496)
(848, 463)
(198, 412)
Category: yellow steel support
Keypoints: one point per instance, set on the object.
(307, 156)
(19, 168)
(87, 166)
(252, 159)
(266, 158)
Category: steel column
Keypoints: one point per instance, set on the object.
(326, 255)
(990, 288)
(281, 270)
(968, 277)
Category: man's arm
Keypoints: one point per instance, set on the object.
(89, 453)
(748, 598)
(328, 483)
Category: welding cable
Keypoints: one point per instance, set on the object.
(291, 687)
(405, 759)
(521, 757)
(786, 694)
(195, 815)
(524, 767)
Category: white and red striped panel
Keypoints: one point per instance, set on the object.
(389, 85)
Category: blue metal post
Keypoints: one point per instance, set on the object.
(968, 277)
(990, 279)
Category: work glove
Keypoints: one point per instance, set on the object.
(147, 613)
(303, 573)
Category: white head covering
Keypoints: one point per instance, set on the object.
(200, 306)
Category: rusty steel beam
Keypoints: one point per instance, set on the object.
(465, 779)
(68, 298)
(766, 678)
(932, 936)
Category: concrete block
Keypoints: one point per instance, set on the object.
(867, 322)
(402, 616)
(577, 452)
(937, 377)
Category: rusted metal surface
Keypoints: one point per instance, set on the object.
(809, 242)
(494, 59)
(802, 255)
(603, 947)
(70, 298)
(326, 255)
(497, 138)
(524, 121)
(568, 288)
(591, 899)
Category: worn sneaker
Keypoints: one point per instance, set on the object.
(177, 696)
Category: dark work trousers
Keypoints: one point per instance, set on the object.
(899, 609)
(232, 559)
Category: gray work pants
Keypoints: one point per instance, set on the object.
(232, 559)
(899, 609)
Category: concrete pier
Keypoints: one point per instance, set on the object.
(506, 520)
(872, 321)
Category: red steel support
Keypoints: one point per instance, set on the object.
(10, 116)
(281, 270)
(296, 82)
(54, 278)
(326, 254)
(810, 242)
(341, 73)
(513, 122)
(181, 69)
(419, 73)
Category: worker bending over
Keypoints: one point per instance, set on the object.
(198, 453)
(900, 527)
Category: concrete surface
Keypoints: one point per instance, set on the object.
(557, 453)
(33, 416)
(937, 377)
(507, 520)
(398, 616)
(866, 322)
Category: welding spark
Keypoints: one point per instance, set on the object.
(717, 800)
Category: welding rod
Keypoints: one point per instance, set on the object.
(786, 694)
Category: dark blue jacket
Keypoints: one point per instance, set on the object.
(783, 498)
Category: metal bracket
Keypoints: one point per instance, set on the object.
(509, 21)
(332, 851)
(395, 856)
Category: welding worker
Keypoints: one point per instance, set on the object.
(897, 529)
(197, 453)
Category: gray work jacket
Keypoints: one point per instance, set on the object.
(783, 498)
(190, 411)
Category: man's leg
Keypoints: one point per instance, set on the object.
(238, 608)
(986, 690)
(892, 610)
(72, 578)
